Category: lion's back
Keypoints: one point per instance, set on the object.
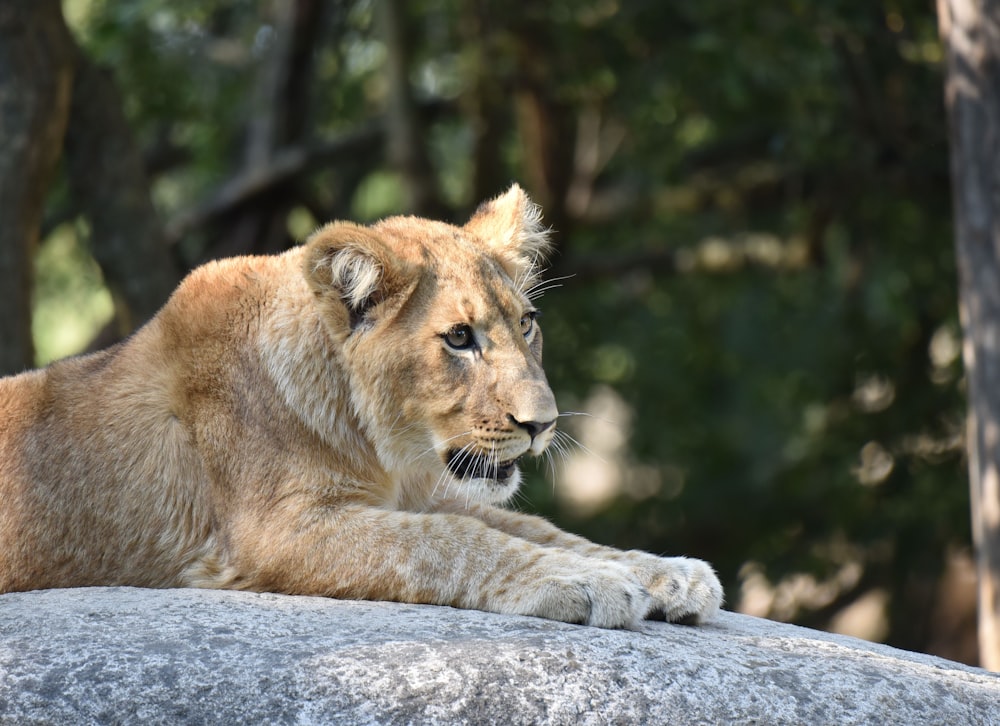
(101, 481)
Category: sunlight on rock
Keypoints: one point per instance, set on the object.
(865, 617)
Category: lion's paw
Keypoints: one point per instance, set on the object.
(683, 589)
(591, 592)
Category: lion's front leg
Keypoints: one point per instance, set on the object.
(683, 589)
(360, 552)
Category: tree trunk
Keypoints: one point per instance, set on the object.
(970, 30)
(546, 125)
(109, 184)
(36, 77)
(404, 131)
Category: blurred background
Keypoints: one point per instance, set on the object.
(753, 293)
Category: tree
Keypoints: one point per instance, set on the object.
(36, 78)
(971, 32)
(56, 104)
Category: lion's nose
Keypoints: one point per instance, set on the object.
(534, 428)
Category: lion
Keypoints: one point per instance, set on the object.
(344, 419)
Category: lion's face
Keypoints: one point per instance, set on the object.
(467, 349)
(444, 347)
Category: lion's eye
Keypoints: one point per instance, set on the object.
(528, 322)
(460, 337)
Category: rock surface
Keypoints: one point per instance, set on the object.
(126, 655)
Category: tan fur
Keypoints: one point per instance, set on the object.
(286, 424)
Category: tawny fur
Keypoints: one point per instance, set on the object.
(287, 423)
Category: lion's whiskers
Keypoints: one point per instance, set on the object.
(542, 286)
(445, 475)
(589, 415)
(565, 437)
(434, 447)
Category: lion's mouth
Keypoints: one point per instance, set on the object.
(465, 465)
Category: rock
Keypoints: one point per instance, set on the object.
(127, 655)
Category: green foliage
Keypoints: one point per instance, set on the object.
(71, 303)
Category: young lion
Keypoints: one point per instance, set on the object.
(343, 419)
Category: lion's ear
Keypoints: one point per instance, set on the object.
(510, 226)
(349, 264)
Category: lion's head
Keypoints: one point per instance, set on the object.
(441, 340)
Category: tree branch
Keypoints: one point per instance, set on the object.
(284, 167)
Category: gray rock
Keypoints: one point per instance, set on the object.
(126, 655)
